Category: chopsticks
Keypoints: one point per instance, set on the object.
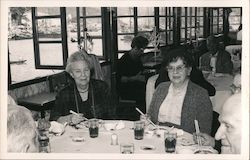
(72, 112)
(197, 130)
(144, 115)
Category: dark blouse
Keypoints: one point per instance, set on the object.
(98, 105)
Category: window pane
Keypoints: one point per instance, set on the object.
(145, 24)
(199, 11)
(220, 29)
(94, 26)
(49, 29)
(71, 30)
(170, 37)
(170, 23)
(215, 20)
(125, 11)
(200, 33)
(200, 20)
(162, 11)
(44, 11)
(145, 11)
(125, 25)
(182, 22)
(51, 54)
(215, 29)
(162, 38)
(215, 12)
(183, 11)
(91, 11)
(124, 42)
(162, 23)
(20, 44)
(97, 47)
(183, 33)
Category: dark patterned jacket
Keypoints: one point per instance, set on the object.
(98, 105)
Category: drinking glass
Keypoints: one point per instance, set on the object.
(127, 148)
(170, 141)
(93, 125)
(145, 118)
(139, 130)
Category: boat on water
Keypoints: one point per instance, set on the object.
(17, 60)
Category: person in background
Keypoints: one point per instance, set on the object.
(216, 59)
(196, 77)
(130, 83)
(179, 102)
(83, 95)
(22, 135)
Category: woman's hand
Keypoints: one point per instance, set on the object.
(76, 119)
(71, 119)
(206, 139)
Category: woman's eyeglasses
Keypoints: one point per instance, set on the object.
(177, 69)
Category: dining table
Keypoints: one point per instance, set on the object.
(102, 144)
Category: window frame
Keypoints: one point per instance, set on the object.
(36, 41)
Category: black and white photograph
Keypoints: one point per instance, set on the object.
(120, 80)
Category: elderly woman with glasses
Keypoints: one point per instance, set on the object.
(179, 102)
(84, 95)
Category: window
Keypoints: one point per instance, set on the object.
(133, 21)
(90, 27)
(50, 37)
(235, 19)
(191, 23)
(21, 49)
(216, 20)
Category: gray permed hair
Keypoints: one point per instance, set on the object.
(75, 57)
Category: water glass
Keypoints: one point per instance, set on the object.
(127, 148)
(145, 118)
(170, 141)
(44, 145)
(93, 125)
(139, 130)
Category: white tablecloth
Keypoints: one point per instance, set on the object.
(101, 144)
(221, 84)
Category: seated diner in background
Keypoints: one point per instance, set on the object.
(83, 95)
(131, 83)
(22, 135)
(196, 77)
(216, 59)
(179, 102)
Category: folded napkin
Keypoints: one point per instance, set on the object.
(57, 128)
(114, 125)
